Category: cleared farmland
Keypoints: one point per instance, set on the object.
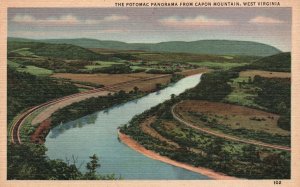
(243, 89)
(267, 74)
(111, 79)
(230, 116)
(218, 65)
(104, 79)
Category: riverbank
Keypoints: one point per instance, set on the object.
(42, 130)
(139, 148)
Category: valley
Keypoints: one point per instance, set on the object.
(221, 112)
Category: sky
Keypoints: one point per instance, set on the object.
(151, 25)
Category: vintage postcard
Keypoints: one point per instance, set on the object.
(156, 93)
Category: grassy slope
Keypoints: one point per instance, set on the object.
(34, 70)
(217, 47)
(218, 65)
(245, 94)
(63, 51)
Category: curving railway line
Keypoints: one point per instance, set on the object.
(224, 136)
(15, 129)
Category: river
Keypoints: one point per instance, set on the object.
(97, 134)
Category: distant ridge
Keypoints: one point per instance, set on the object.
(63, 51)
(215, 47)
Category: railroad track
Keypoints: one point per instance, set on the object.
(15, 129)
(224, 136)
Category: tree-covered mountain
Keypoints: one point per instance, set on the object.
(278, 62)
(63, 51)
(216, 47)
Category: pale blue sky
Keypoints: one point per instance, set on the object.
(266, 25)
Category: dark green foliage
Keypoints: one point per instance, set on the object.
(62, 51)
(29, 162)
(91, 105)
(158, 86)
(92, 167)
(113, 69)
(213, 86)
(25, 90)
(160, 71)
(58, 65)
(250, 154)
(124, 56)
(176, 77)
(221, 154)
(275, 166)
(275, 95)
(278, 62)
(284, 121)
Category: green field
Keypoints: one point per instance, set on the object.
(99, 60)
(24, 52)
(91, 67)
(12, 64)
(243, 93)
(36, 71)
(82, 89)
(139, 67)
(218, 65)
(30, 69)
(101, 64)
(62, 51)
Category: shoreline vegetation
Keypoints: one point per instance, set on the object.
(131, 142)
(80, 109)
(39, 167)
(153, 155)
(32, 71)
(225, 156)
(18, 153)
(38, 132)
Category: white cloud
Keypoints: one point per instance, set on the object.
(198, 21)
(23, 19)
(115, 18)
(28, 19)
(265, 20)
(65, 20)
(112, 18)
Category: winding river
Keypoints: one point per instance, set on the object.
(97, 134)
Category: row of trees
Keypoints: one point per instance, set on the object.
(91, 105)
(235, 159)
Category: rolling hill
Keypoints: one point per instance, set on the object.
(216, 47)
(63, 51)
(278, 62)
